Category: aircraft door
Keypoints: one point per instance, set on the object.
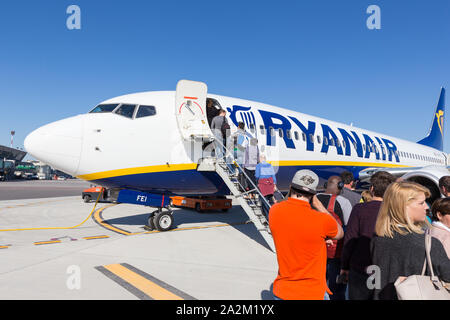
(190, 110)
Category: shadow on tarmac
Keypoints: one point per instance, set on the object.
(235, 217)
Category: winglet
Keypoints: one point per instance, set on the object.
(435, 137)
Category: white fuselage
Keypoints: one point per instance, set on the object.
(149, 153)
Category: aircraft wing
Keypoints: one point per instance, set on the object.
(427, 176)
(432, 172)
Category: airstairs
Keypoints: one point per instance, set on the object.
(190, 112)
(251, 206)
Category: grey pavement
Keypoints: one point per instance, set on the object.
(208, 256)
(36, 189)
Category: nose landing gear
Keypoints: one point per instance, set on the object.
(160, 219)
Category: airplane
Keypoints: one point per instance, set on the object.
(153, 142)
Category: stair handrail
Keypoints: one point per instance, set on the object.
(228, 152)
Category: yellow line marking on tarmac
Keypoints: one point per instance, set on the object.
(194, 228)
(46, 242)
(95, 237)
(4, 247)
(141, 283)
(98, 218)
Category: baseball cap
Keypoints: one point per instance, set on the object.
(305, 180)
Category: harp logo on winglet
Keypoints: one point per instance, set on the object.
(440, 120)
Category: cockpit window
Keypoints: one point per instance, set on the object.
(103, 108)
(145, 111)
(126, 110)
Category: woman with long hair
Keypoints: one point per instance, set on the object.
(398, 248)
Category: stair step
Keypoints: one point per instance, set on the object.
(252, 207)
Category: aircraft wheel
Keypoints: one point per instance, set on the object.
(87, 198)
(150, 223)
(163, 221)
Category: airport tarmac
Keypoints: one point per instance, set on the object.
(35, 189)
(209, 256)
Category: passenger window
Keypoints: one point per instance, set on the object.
(296, 135)
(272, 132)
(126, 110)
(318, 139)
(146, 111)
(280, 132)
(104, 108)
(344, 145)
(311, 138)
(252, 128)
(288, 134)
(325, 140)
(332, 142)
(304, 136)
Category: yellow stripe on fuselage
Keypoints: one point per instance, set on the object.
(193, 166)
(138, 170)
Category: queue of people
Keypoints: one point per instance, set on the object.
(331, 245)
(383, 238)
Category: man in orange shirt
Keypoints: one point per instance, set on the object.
(299, 233)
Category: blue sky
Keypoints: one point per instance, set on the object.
(316, 57)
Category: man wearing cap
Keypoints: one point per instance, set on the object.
(299, 234)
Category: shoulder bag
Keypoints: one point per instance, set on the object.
(422, 287)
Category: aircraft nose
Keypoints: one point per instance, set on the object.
(58, 144)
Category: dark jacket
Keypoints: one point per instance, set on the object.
(404, 255)
(360, 230)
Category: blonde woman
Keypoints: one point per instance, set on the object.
(398, 248)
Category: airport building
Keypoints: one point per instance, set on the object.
(9, 157)
(13, 167)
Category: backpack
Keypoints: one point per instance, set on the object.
(266, 186)
(335, 250)
(225, 128)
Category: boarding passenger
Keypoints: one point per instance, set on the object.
(251, 159)
(349, 187)
(267, 182)
(366, 196)
(360, 229)
(444, 186)
(441, 222)
(398, 249)
(242, 140)
(342, 207)
(211, 111)
(216, 127)
(299, 234)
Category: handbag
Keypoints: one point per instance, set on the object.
(422, 287)
(266, 186)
